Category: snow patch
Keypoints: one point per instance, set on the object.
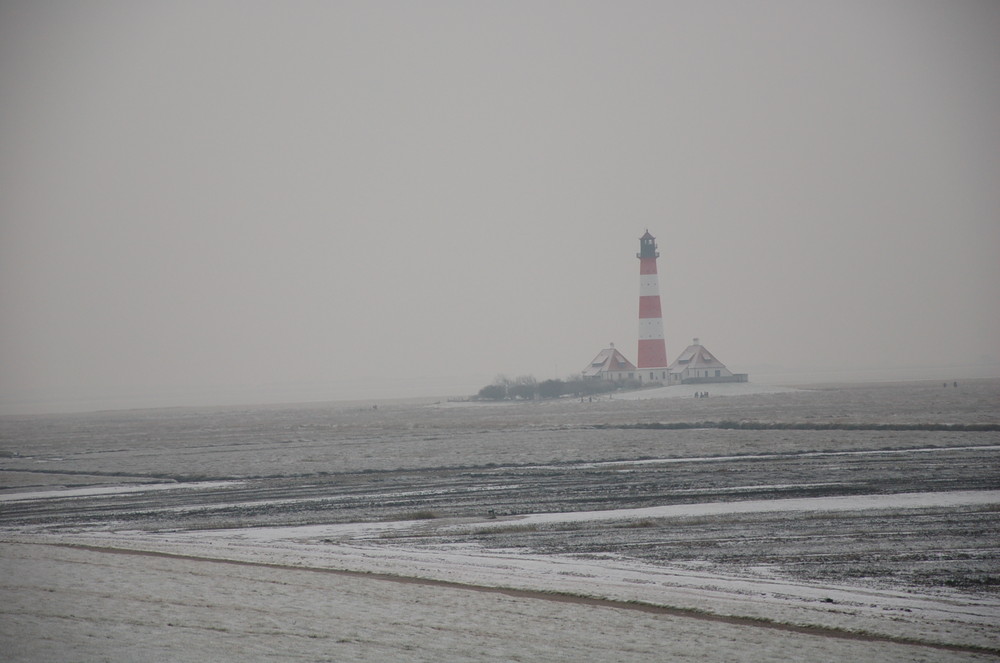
(114, 490)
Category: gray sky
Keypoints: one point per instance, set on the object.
(216, 201)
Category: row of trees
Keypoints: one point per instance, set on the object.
(527, 388)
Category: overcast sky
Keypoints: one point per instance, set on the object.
(215, 201)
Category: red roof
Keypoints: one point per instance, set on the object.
(695, 356)
(609, 359)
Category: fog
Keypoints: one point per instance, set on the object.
(230, 202)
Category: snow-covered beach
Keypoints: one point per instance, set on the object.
(517, 533)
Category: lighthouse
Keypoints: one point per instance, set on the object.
(652, 363)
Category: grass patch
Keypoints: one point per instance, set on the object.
(423, 514)
(506, 529)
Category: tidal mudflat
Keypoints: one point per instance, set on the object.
(861, 521)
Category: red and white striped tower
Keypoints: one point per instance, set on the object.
(652, 363)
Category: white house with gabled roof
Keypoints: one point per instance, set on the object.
(610, 364)
(696, 365)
